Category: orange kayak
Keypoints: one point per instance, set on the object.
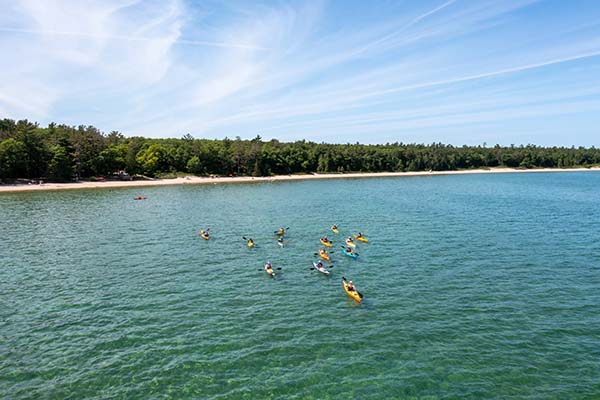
(323, 254)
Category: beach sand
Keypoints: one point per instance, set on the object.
(194, 180)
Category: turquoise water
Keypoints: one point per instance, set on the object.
(475, 286)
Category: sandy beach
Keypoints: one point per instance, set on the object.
(195, 180)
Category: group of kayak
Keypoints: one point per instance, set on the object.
(349, 250)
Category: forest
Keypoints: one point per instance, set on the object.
(62, 153)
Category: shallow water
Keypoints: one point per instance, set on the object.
(475, 286)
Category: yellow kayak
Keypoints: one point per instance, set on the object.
(326, 243)
(361, 238)
(323, 254)
(352, 293)
(349, 243)
(335, 230)
(250, 244)
(270, 272)
(204, 236)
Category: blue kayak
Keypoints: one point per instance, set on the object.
(350, 254)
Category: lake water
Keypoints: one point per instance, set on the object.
(475, 286)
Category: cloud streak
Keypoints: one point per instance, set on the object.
(129, 38)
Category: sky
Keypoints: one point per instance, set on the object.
(451, 71)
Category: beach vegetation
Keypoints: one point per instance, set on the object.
(63, 153)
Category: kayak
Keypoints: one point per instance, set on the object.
(350, 254)
(321, 270)
(361, 238)
(328, 243)
(335, 230)
(351, 244)
(352, 293)
(324, 255)
(204, 236)
(270, 272)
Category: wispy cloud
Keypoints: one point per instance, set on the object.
(130, 38)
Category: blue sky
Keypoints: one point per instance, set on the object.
(452, 71)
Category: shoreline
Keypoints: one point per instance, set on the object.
(195, 180)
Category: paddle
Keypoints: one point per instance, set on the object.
(359, 293)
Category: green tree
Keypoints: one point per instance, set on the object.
(60, 168)
(151, 159)
(195, 166)
(13, 155)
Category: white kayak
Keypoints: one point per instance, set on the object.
(322, 270)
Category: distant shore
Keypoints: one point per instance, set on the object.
(195, 180)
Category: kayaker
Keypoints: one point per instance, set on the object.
(350, 240)
(268, 265)
(349, 250)
(203, 233)
(320, 264)
(281, 231)
(280, 240)
(359, 235)
(350, 287)
(250, 242)
(324, 238)
(334, 227)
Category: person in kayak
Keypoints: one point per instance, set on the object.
(324, 238)
(268, 266)
(334, 227)
(280, 241)
(320, 264)
(203, 233)
(250, 242)
(350, 240)
(350, 287)
(281, 231)
(349, 250)
(359, 235)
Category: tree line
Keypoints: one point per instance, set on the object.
(63, 153)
